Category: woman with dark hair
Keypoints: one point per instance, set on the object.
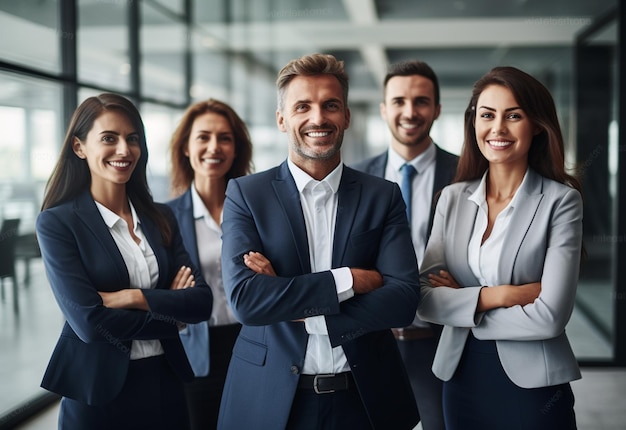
(121, 276)
(501, 266)
(210, 146)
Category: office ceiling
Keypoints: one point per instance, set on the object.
(460, 39)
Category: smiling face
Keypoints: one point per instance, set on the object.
(409, 110)
(111, 150)
(211, 146)
(314, 117)
(504, 132)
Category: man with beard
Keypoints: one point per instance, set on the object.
(410, 106)
(305, 273)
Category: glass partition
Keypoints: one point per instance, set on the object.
(597, 83)
(28, 20)
(103, 44)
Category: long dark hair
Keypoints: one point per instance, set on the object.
(546, 155)
(71, 176)
(182, 172)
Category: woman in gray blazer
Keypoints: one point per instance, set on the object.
(501, 266)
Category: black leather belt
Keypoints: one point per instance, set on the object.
(323, 384)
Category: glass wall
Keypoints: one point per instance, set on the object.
(597, 155)
(165, 54)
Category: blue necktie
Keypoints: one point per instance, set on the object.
(408, 171)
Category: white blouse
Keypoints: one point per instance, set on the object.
(484, 260)
(142, 266)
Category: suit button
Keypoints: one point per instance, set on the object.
(294, 370)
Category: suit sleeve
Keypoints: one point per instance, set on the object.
(549, 314)
(76, 294)
(191, 305)
(546, 317)
(442, 305)
(395, 303)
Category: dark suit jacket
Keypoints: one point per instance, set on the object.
(263, 213)
(91, 358)
(445, 169)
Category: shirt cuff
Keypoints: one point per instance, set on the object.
(343, 283)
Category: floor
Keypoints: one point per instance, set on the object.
(28, 338)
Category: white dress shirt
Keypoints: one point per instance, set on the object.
(421, 192)
(142, 266)
(209, 240)
(421, 198)
(321, 197)
(484, 260)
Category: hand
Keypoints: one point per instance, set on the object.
(444, 279)
(183, 279)
(506, 296)
(364, 281)
(257, 262)
(129, 298)
(521, 294)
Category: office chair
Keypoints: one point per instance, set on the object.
(8, 240)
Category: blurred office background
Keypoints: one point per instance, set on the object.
(165, 54)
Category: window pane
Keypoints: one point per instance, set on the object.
(29, 147)
(29, 21)
(163, 42)
(103, 44)
(160, 123)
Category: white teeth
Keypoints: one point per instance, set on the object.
(211, 160)
(500, 143)
(318, 133)
(119, 163)
(408, 126)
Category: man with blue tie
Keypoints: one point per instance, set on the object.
(318, 266)
(410, 107)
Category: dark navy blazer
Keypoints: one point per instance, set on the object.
(91, 358)
(262, 212)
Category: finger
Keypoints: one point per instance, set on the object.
(182, 278)
(179, 275)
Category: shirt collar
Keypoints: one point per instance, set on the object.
(421, 162)
(302, 178)
(479, 196)
(199, 209)
(111, 218)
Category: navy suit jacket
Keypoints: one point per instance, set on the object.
(195, 337)
(262, 212)
(445, 170)
(91, 358)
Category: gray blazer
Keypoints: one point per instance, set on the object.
(544, 244)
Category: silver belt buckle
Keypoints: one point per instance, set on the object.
(317, 378)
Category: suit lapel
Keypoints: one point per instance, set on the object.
(187, 225)
(153, 235)
(526, 206)
(289, 200)
(462, 233)
(87, 211)
(348, 197)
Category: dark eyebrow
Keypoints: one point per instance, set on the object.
(506, 110)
